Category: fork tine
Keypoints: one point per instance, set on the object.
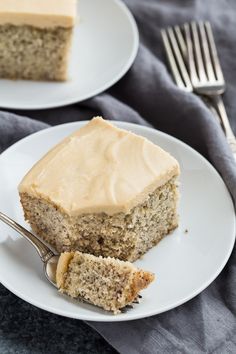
(206, 53)
(181, 41)
(191, 62)
(176, 61)
(214, 55)
(179, 59)
(197, 51)
(171, 59)
(126, 308)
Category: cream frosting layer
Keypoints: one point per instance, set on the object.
(100, 168)
(38, 13)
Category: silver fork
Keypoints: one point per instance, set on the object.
(205, 71)
(48, 256)
(176, 52)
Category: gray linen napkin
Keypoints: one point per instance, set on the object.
(206, 324)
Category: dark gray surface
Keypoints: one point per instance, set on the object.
(24, 329)
(207, 323)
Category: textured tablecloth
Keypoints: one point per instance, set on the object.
(207, 323)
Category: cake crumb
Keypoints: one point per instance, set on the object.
(105, 282)
(186, 231)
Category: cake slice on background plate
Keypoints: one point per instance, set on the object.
(35, 38)
(104, 191)
(105, 282)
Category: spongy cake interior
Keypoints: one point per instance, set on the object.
(104, 282)
(35, 38)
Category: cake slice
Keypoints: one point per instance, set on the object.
(104, 282)
(35, 38)
(104, 191)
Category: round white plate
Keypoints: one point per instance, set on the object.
(104, 47)
(185, 262)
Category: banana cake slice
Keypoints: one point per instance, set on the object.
(103, 191)
(105, 282)
(35, 38)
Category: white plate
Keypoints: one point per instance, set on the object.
(184, 263)
(104, 47)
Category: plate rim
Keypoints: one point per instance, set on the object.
(106, 86)
(193, 294)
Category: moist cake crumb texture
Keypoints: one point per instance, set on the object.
(34, 53)
(35, 39)
(123, 236)
(104, 282)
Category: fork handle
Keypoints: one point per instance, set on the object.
(44, 252)
(230, 137)
(211, 107)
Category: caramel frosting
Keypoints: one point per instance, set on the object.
(38, 13)
(100, 168)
